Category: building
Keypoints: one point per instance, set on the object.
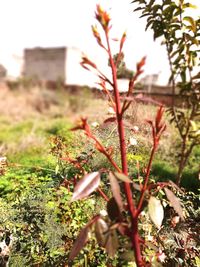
(57, 64)
(148, 81)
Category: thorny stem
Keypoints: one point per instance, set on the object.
(131, 206)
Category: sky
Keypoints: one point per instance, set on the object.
(50, 23)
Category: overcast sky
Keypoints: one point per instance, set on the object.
(48, 23)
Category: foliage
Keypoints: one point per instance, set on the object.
(23, 82)
(181, 35)
(129, 198)
(137, 222)
(122, 71)
(43, 222)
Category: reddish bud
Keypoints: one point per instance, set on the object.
(103, 17)
(85, 61)
(159, 116)
(83, 125)
(97, 36)
(141, 64)
(122, 41)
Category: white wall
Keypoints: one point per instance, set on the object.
(75, 73)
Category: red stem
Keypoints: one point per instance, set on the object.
(103, 194)
(105, 153)
(134, 231)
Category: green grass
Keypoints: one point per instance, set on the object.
(27, 144)
(40, 211)
(163, 171)
(30, 140)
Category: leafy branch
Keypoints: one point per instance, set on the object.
(124, 208)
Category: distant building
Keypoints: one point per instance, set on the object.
(149, 80)
(3, 72)
(56, 64)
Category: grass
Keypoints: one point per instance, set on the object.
(32, 203)
(26, 141)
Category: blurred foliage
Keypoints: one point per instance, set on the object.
(171, 21)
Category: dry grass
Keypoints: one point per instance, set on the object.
(40, 104)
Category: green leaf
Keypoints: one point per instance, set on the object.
(140, 1)
(144, 15)
(88, 184)
(167, 2)
(158, 29)
(134, 157)
(156, 211)
(138, 8)
(151, 3)
(168, 12)
(191, 21)
(194, 125)
(197, 260)
(189, 5)
(156, 8)
(178, 59)
(149, 24)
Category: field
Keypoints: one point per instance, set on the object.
(37, 179)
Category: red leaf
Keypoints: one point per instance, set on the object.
(116, 190)
(141, 64)
(113, 210)
(175, 202)
(97, 36)
(172, 184)
(123, 229)
(85, 61)
(88, 184)
(103, 17)
(101, 229)
(110, 120)
(159, 116)
(122, 41)
(112, 243)
(80, 242)
(123, 177)
(82, 239)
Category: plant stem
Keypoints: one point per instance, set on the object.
(136, 243)
(146, 179)
(120, 130)
(134, 220)
(103, 194)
